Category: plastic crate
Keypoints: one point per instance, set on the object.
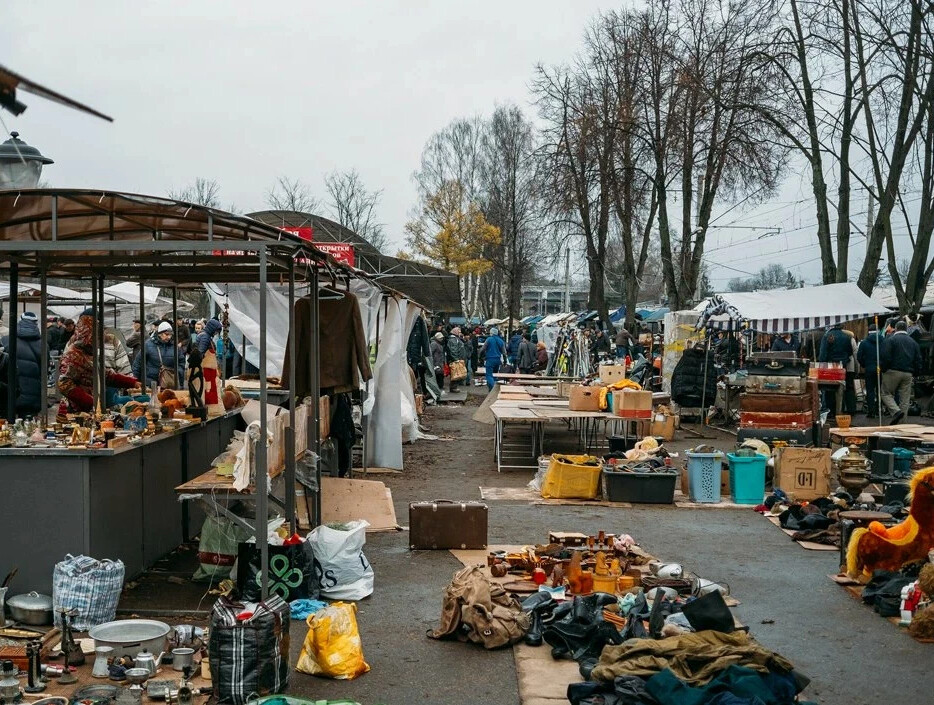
(639, 487)
(704, 476)
(569, 478)
(747, 478)
(903, 458)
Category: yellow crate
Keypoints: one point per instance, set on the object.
(569, 478)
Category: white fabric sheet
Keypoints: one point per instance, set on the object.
(384, 426)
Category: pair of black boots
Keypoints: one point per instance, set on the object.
(574, 629)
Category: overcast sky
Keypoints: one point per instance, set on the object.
(243, 91)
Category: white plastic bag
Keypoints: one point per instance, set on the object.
(344, 573)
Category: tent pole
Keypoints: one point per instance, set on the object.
(262, 510)
(290, 431)
(178, 380)
(100, 341)
(143, 337)
(878, 369)
(704, 390)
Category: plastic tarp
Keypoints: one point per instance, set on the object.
(384, 425)
(791, 310)
(887, 297)
(680, 334)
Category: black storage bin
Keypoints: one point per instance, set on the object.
(796, 437)
(639, 487)
(621, 444)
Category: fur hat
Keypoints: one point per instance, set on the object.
(164, 327)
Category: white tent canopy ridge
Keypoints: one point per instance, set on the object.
(789, 310)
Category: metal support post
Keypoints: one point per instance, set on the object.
(96, 360)
(43, 349)
(99, 320)
(261, 478)
(178, 377)
(290, 432)
(315, 378)
(11, 324)
(143, 337)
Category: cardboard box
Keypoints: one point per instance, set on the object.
(663, 426)
(631, 404)
(584, 398)
(564, 388)
(804, 473)
(611, 373)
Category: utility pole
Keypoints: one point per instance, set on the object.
(567, 280)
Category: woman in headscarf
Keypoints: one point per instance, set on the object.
(76, 373)
(204, 342)
(456, 351)
(541, 357)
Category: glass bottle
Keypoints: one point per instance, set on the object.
(20, 437)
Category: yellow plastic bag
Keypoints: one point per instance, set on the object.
(569, 478)
(332, 645)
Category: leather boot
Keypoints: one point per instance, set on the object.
(539, 605)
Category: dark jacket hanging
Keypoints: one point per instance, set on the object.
(342, 346)
(688, 379)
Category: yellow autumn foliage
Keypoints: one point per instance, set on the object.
(452, 232)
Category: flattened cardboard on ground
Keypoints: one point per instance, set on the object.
(343, 500)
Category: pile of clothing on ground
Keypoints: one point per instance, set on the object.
(818, 521)
(907, 594)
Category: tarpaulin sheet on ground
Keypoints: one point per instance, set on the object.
(788, 310)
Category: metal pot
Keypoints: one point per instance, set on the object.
(130, 636)
(31, 608)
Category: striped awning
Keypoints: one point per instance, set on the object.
(789, 311)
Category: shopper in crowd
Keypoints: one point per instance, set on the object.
(601, 343)
(512, 354)
(76, 373)
(526, 356)
(456, 352)
(470, 344)
(437, 358)
(786, 342)
(494, 348)
(68, 330)
(53, 332)
(915, 328)
(183, 336)
(867, 355)
(135, 339)
(199, 326)
(623, 344)
(30, 370)
(835, 346)
(116, 357)
(160, 353)
(852, 367)
(541, 358)
(901, 360)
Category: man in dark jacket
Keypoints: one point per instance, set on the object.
(526, 356)
(835, 346)
(31, 373)
(786, 342)
(512, 352)
(901, 360)
(867, 355)
(437, 358)
(134, 340)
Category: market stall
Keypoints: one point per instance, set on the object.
(113, 491)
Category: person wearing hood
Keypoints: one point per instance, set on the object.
(512, 352)
(204, 343)
(160, 354)
(541, 357)
(30, 371)
(76, 373)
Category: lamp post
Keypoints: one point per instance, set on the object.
(20, 164)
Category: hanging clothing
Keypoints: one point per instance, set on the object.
(417, 349)
(343, 432)
(342, 349)
(29, 368)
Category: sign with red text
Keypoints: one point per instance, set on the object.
(341, 251)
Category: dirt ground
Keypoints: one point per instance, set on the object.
(852, 656)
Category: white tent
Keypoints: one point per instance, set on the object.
(887, 297)
(790, 310)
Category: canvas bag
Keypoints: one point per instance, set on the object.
(458, 370)
(478, 610)
(249, 658)
(89, 587)
(167, 379)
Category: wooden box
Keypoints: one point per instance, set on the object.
(443, 524)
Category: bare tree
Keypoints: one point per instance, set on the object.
(204, 192)
(291, 195)
(354, 206)
(511, 201)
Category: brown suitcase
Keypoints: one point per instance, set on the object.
(776, 403)
(443, 524)
(765, 419)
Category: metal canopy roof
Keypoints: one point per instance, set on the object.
(158, 240)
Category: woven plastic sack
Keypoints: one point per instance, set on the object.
(572, 477)
(89, 587)
(249, 656)
(217, 548)
(332, 645)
